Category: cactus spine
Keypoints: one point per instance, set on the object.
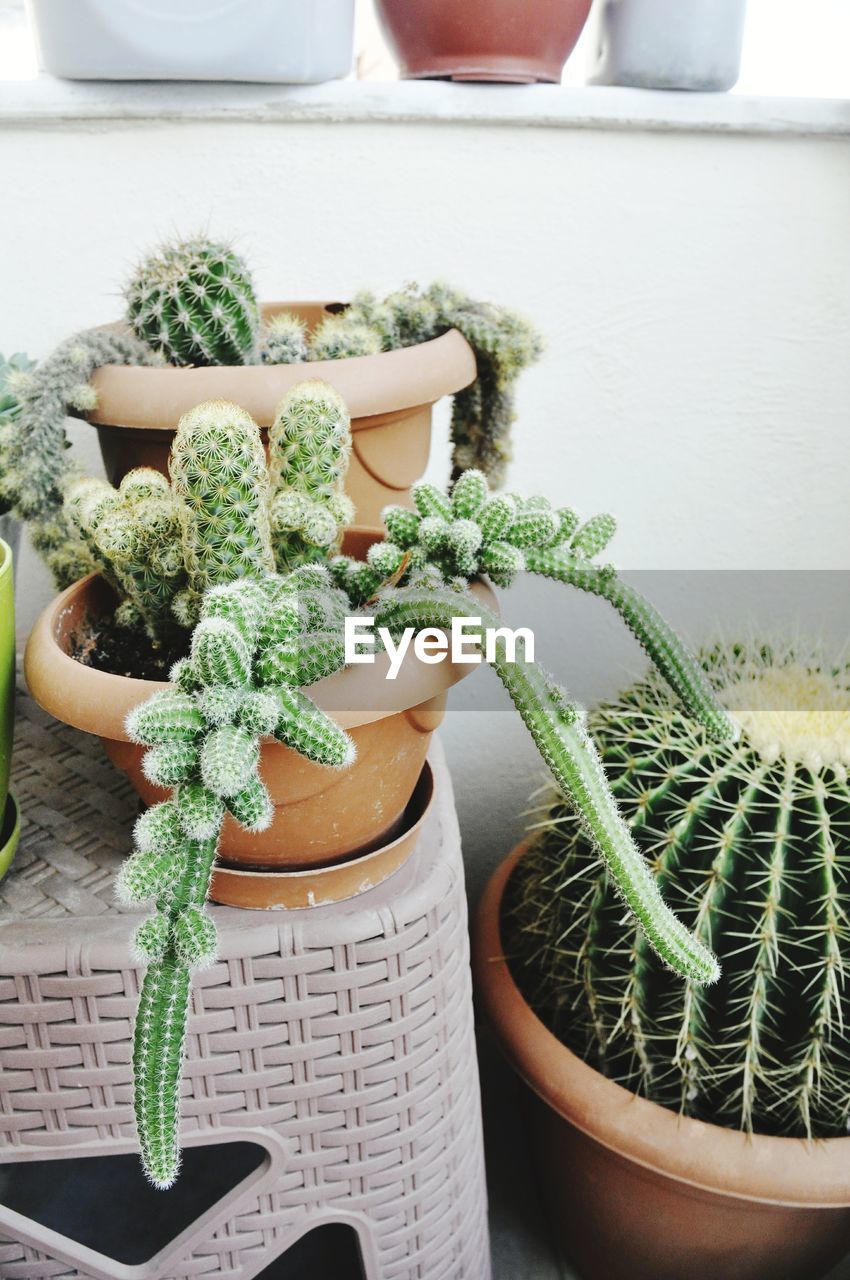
(203, 739)
(194, 303)
(749, 841)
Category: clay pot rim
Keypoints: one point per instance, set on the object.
(98, 701)
(300, 885)
(701, 1155)
(144, 398)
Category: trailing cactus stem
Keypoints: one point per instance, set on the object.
(203, 738)
(559, 734)
(658, 639)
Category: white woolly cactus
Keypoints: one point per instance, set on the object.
(749, 841)
(203, 740)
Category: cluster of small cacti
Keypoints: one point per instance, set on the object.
(749, 842)
(193, 301)
(468, 531)
(256, 643)
(226, 513)
(34, 460)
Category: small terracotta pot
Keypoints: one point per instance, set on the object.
(500, 40)
(321, 815)
(636, 1192)
(390, 398)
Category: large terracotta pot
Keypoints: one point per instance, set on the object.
(390, 398)
(483, 39)
(321, 814)
(636, 1192)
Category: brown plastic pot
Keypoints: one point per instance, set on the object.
(636, 1192)
(321, 815)
(390, 398)
(500, 40)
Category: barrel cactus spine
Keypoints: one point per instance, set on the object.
(203, 740)
(749, 842)
(193, 301)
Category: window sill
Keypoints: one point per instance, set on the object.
(49, 102)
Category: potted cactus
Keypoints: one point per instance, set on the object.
(717, 1115)
(235, 580)
(194, 331)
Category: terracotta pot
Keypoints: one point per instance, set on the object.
(292, 890)
(322, 814)
(636, 1192)
(390, 398)
(483, 39)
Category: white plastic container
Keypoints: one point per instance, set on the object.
(668, 44)
(276, 41)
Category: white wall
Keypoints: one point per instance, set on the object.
(694, 289)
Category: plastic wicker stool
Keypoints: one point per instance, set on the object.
(339, 1038)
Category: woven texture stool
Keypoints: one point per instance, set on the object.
(339, 1038)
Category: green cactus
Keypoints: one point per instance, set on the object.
(207, 730)
(309, 453)
(134, 535)
(194, 303)
(557, 727)
(220, 482)
(34, 462)
(749, 842)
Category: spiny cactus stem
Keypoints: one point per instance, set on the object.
(161, 1030)
(565, 746)
(672, 658)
